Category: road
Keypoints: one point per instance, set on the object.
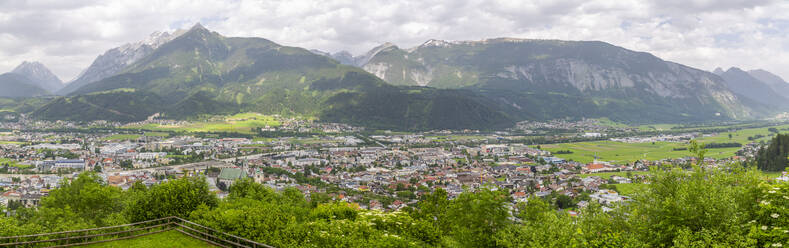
(191, 166)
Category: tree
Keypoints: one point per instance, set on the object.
(774, 156)
(476, 216)
(87, 196)
(682, 205)
(698, 150)
(564, 202)
(174, 198)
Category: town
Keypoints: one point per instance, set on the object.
(382, 170)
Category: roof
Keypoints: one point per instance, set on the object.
(232, 173)
(595, 166)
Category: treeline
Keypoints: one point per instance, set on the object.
(716, 207)
(722, 145)
(773, 157)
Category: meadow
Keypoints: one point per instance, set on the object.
(13, 163)
(620, 152)
(172, 238)
(607, 175)
(119, 137)
(246, 123)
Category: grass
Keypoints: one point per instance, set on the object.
(14, 163)
(171, 238)
(445, 138)
(246, 123)
(3, 142)
(606, 175)
(619, 152)
(122, 137)
(156, 134)
(629, 188)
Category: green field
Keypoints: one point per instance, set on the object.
(619, 152)
(3, 142)
(607, 175)
(117, 137)
(240, 123)
(14, 163)
(445, 138)
(629, 188)
(171, 239)
(156, 134)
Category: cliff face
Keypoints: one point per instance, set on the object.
(568, 69)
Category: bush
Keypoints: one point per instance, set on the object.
(174, 198)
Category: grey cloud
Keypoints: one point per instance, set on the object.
(68, 35)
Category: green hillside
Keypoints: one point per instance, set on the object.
(204, 73)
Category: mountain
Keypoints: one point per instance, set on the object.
(774, 81)
(202, 72)
(39, 75)
(344, 57)
(743, 83)
(550, 79)
(116, 59)
(17, 86)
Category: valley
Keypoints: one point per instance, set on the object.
(490, 142)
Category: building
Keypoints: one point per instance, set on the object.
(553, 160)
(77, 164)
(229, 175)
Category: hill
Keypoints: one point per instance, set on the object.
(743, 83)
(15, 85)
(202, 72)
(777, 83)
(549, 79)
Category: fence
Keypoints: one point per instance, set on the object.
(128, 231)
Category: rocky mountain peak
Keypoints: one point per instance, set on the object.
(39, 74)
(116, 59)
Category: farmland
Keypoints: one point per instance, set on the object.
(240, 123)
(620, 152)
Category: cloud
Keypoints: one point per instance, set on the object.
(68, 35)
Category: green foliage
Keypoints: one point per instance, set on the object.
(710, 202)
(476, 216)
(774, 156)
(770, 223)
(87, 196)
(697, 149)
(172, 239)
(173, 198)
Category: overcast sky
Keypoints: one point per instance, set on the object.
(67, 35)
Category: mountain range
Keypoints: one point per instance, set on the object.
(483, 84)
(549, 79)
(116, 59)
(29, 79)
(202, 72)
